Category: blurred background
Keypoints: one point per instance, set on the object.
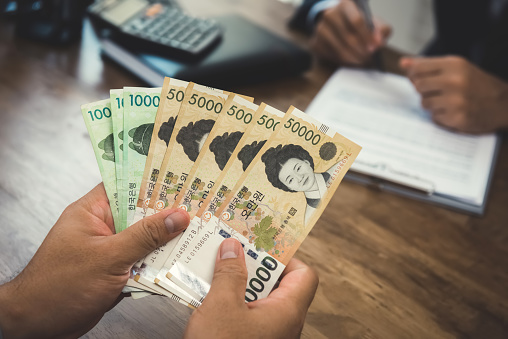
(390, 267)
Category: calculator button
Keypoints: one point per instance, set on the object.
(174, 44)
(171, 27)
(193, 39)
(183, 36)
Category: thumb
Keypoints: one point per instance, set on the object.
(382, 32)
(230, 275)
(149, 233)
(405, 63)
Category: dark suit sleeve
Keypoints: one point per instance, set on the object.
(299, 20)
(472, 33)
(461, 27)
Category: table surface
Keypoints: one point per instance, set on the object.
(389, 267)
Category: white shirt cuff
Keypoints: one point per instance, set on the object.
(318, 8)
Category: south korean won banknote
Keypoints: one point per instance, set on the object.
(225, 135)
(173, 92)
(97, 116)
(265, 122)
(200, 109)
(99, 122)
(140, 108)
(274, 205)
(116, 100)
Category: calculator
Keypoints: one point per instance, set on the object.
(161, 26)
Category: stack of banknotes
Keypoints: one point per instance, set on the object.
(239, 169)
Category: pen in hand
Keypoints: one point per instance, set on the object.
(363, 6)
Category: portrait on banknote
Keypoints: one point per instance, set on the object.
(265, 124)
(281, 194)
(222, 146)
(291, 168)
(166, 129)
(193, 136)
(238, 114)
(248, 152)
(173, 91)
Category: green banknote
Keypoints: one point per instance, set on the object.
(99, 124)
(140, 109)
(116, 98)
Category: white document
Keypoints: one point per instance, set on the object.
(401, 144)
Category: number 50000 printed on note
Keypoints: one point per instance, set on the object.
(275, 204)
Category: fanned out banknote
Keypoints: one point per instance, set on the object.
(99, 123)
(239, 169)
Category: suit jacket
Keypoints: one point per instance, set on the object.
(463, 27)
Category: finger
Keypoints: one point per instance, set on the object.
(297, 286)
(430, 85)
(382, 32)
(230, 275)
(340, 48)
(291, 300)
(96, 202)
(434, 103)
(361, 36)
(97, 193)
(149, 233)
(422, 67)
(323, 50)
(446, 118)
(452, 113)
(405, 63)
(321, 46)
(118, 299)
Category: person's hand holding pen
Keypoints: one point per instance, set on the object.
(342, 35)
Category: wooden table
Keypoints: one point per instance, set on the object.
(389, 267)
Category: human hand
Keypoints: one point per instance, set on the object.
(80, 269)
(459, 95)
(224, 313)
(343, 37)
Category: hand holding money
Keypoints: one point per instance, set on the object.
(241, 170)
(80, 269)
(224, 313)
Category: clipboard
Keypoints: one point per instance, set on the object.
(428, 196)
(404, 152)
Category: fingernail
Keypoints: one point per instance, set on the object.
(372, 47)
(229, 249)
(175, 222)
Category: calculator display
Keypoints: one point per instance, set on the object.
(117, 12)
